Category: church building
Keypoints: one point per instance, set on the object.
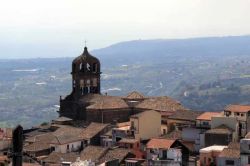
(87, 103)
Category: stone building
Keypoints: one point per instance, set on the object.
(86, 102)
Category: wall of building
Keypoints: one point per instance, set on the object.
(5, 144)
(73, 146)
(190, 134)
(206, 158)
(174, 124)
(149, 125)
(221, 139)
(164, 129)
(245, 146)
(174, 154)
(222, 161)
(203, 123)
(230, 122)
(108, 116)
(244, 159)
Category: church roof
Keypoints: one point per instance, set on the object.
(162, 103)
(85, 57)
(106, 102)
(135, 95)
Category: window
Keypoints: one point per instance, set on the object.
(67, 146)
(242, 126)
(229, 162)
(94, 81)
(164, 131)
(205, 123)
(80, 67)
(249, 148)
(241, 114)
(248, 159)
(94, 67)
(227, 113)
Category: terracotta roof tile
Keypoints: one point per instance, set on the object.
(238, 108)
(234, 145)
(230, 153)
(67, 134)
(208, 115)
(163, 103)
(222, 129)
(108, 102)
(117, 153)
(159, 143)
(57, 158)
(92, 130)
(93, 153)
(135, 96)
(45, 138)
(128, 140)
(185, 115)
(37, 146)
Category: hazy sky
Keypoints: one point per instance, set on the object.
(32, 28)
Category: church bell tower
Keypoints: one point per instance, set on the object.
(85, 75)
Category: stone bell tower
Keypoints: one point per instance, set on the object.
(85, 75)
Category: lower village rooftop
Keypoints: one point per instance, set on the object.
(184, 137)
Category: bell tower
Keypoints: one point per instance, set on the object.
(85, 75)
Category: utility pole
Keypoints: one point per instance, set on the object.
(17, 152)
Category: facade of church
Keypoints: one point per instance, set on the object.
(87, 103)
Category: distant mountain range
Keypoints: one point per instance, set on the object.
(155, 51)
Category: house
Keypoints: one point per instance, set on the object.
(145, 125)
(166, 151)
(204, 120)
(38, 145)
(93, 153)
(242, 113)
(230, 155)
(208, 155)
(245, 150)
(100, 155)
(92, 134)
(182, 119)
(106, 139)
(67, 139)
(132, 144)
(5, 138)
(59, 158)
(117, 155)
(121, 130)
(225, 129)
(222, 133)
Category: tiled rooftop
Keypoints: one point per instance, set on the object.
(208, 115)
(160, 143)
(238, 108)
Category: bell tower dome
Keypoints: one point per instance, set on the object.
(85, 74)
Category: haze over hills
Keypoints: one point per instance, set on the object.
(203, 73)
(155, 51)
